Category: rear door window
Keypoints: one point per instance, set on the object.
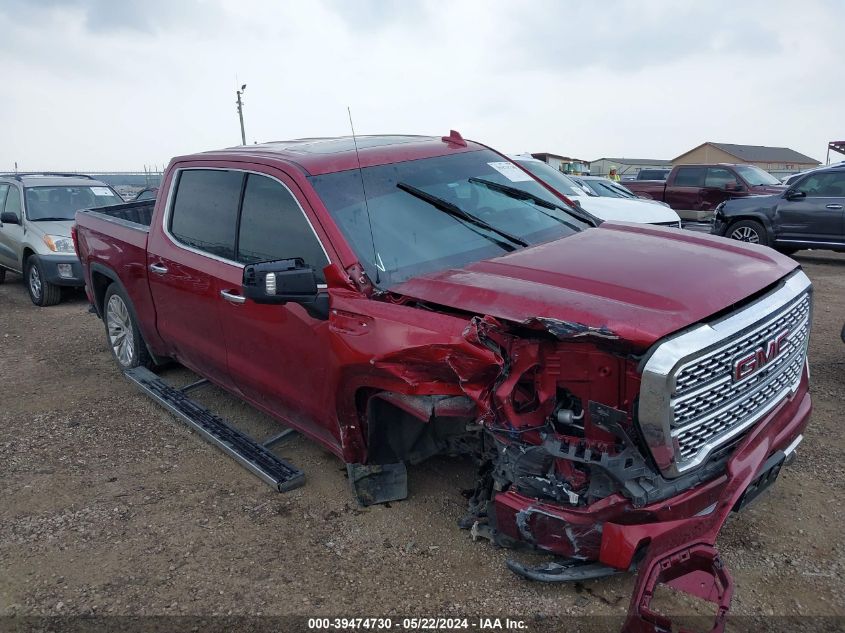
(205, 210)
(690, 177)
(273, 226)
(3, 190)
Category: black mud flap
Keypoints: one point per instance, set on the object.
(218, 431)
(378, 483)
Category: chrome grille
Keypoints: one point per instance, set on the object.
(690, 403)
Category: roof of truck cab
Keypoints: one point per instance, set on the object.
(318, 156)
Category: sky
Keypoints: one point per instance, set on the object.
(120, 85)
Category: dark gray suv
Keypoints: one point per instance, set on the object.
(36, 214)
(809, 214)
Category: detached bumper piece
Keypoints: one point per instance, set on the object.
(216, 430)
(698, 571)
(563, 571)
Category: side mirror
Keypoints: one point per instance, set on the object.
(731, 186)
(285, 281)
(280, 281)
(9, 217)
(794, 194)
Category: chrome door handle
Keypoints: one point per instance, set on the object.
(232, 297)
(833, 206)
(158, 269)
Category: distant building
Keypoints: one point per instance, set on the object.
(778, 161)
(566, 164)
(627, 168)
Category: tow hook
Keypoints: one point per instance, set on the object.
(695, 570)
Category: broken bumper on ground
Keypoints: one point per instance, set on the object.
(670, 542)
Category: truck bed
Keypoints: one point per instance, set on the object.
(139, 213)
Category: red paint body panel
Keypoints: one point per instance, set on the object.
(640, 282)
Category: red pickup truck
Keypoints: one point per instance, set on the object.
(693, 191)
(425, 295)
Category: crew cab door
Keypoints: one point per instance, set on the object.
(816, 217)
(719, 185)
(279, 356)
(188, 254)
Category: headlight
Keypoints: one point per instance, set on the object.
(58, 244)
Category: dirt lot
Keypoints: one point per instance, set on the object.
(110, 506)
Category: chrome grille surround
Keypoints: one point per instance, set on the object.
(690, 404)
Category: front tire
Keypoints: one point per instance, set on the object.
(41, 292)
(749, 231)
(124, 338)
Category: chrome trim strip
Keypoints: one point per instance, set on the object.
(656, 409)
(791, 448)
(168, 209)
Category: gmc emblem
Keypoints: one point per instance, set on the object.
(752, 362)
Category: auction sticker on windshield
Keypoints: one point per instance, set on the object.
(510, 171)
(101, 191)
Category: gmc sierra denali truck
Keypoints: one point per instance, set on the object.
(407, 296)
(695, 190)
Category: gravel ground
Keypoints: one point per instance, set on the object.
(110, 506)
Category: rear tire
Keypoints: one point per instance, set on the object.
(122, 334)
(41, 291)
(749, 231)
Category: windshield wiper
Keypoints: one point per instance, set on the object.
(520, 194)
(456, 212)
(49, 219)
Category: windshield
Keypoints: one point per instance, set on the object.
(61, 203)
(755, 176)
(552, 177)
(608, 189)
(428, 215)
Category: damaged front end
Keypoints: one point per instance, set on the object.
(607, 460)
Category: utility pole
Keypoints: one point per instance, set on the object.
(241, 113)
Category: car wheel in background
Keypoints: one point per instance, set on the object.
(122, 333)
(41, 291)
(749, 231)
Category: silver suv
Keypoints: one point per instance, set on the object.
(36, 214)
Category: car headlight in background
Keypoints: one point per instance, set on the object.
(58, 244)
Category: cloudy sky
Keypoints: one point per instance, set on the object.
(119, 84)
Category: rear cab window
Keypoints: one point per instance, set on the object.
(690, 177)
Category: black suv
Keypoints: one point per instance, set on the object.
(810, 214)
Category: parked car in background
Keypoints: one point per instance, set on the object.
(653, 174)
(695, 190)
(435, 298)
(607, 188)
(36, 215)
(148, 193)
(621, 208)
(810, 214)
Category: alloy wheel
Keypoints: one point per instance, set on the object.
(119, 325)
(35, 283)
(745, 234)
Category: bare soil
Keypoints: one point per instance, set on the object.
(110, 506)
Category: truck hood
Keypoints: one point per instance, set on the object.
(620, 209)
(633, 282)
(60, 228)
